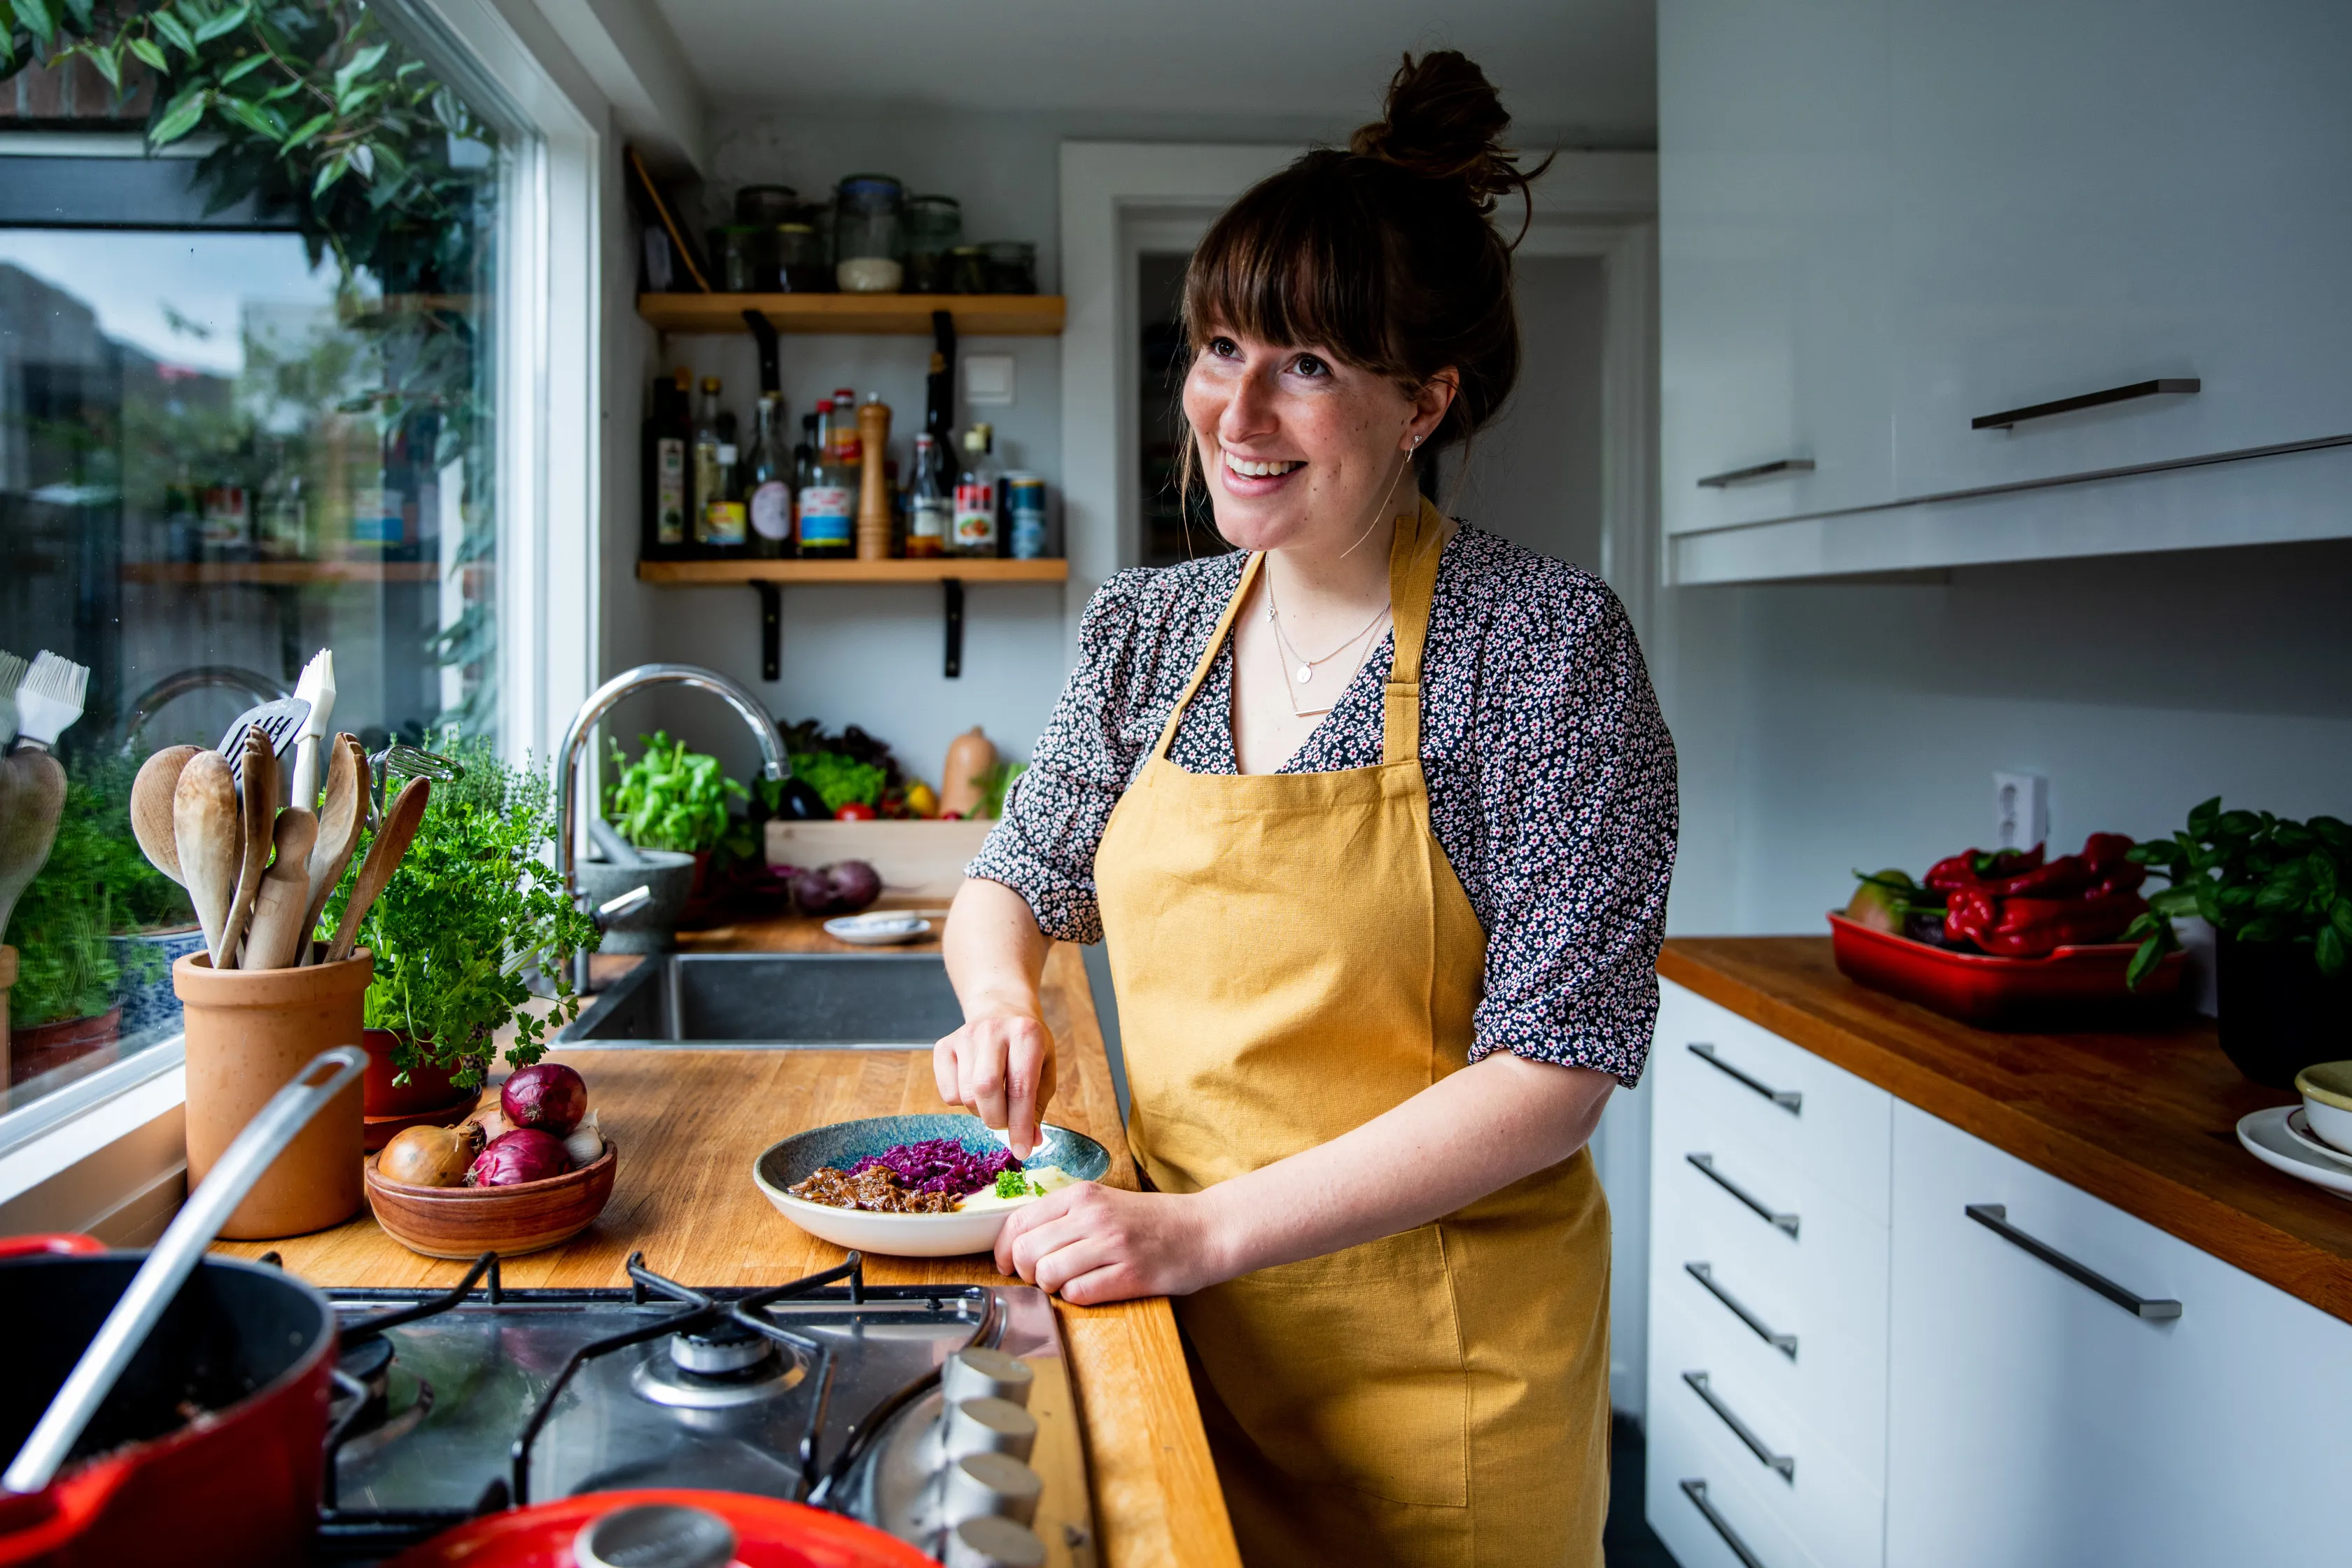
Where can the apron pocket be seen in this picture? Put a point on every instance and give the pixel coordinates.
(1346, 1370)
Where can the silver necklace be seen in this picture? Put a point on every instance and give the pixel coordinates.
(1305, 670)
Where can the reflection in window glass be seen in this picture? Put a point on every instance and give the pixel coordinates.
(256, 425)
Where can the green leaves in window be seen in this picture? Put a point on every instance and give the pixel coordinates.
(39, 20)
(151, 52)
(180, 117)
(174, 32)
(349, 73)
(257, 118)
(227, 21)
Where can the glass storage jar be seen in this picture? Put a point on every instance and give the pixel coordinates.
(734, 259)
(933, 226)
(1009, 267)
(765, 207)
(868, 246)
(803, 259)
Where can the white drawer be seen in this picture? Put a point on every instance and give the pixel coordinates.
(1834, 1510)
(1817, 1117)
(1681, 1473)
(1830, 1368)
(1806, 1255)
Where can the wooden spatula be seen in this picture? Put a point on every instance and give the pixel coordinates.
(340, 820)
(257, 808)
(275, 941)
(204, 828)
(384, 856)
(32, 798)
(151, 808)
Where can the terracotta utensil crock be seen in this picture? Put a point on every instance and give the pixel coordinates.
(249, 1032)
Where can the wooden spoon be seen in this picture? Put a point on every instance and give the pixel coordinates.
(256, 805)
(384, 856)
(206, 830)
(276, 940)
(339, 832)
(32, 799)
(151, 808)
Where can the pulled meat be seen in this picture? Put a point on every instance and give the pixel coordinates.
(875, 1188)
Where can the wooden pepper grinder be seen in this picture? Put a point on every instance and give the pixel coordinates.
(874, 490)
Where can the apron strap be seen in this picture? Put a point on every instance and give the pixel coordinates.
(1412, 582)
(1208, 655)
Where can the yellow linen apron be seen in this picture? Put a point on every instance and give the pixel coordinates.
(1293, 955)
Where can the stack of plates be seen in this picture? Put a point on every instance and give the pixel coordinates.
(2282, 1137)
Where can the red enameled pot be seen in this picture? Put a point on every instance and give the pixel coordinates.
(249, 1348)
(769, 1533)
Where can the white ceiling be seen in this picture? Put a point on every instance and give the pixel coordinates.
(1582, 70)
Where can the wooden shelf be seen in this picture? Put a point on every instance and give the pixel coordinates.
(284, 573)
(978, 569)
(976, 315)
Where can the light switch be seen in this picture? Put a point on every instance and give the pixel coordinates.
(988, 378)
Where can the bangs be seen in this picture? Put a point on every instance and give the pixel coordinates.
(1298, 262)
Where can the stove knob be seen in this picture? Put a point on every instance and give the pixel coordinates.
(655, 1535)
(988, 1426)
(990, 1542)
(980, 1373)
(992, 1483)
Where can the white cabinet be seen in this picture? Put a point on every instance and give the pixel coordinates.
(2092, 195)
(1772, 267)
(2034, 1420)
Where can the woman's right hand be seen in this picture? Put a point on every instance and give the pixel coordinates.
(1001, 1064)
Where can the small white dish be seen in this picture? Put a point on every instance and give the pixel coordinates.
(2298, 1127)
(2265, 1136)
(884, 929)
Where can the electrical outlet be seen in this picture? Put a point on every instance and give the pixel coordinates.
(988, 378)
(2020, 806)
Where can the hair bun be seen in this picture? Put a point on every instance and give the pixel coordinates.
(1444, 121)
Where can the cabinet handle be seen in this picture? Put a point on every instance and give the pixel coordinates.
(1705, 1274)
(1706, 1163)
(1789, 1100)
(1760, 471)
(2009, 417)
(1784, 1463)
(1696, 1490)
(1994, 1217)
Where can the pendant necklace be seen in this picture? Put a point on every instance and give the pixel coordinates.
(1305, 671)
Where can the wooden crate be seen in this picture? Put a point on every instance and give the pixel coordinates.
(924, 858)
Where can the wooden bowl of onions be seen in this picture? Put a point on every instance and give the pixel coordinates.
(485, 1185)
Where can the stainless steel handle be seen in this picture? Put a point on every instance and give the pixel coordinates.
(1695, 1489)
(2137, 389)
(1760, 471)
(1705, 1274)
(1706, 1163)
(1789, 1100)
(1784, 1463)
(174, 1258)
(1994, 1217)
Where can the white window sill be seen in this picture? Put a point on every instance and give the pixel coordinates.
(116, 1170)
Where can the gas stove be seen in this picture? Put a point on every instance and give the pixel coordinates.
(912, 1408)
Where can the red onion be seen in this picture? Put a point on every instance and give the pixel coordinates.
(524, 1155)
(841, 889)
(547, 1096)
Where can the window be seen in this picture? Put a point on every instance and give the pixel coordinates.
(248, 410)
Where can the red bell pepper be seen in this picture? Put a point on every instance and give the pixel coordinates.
(1975, 867)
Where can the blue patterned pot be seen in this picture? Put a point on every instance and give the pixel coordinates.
(148, 1005)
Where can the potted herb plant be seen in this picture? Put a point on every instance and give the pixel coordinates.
(473, 908)
(671, 805)
(2278, 895)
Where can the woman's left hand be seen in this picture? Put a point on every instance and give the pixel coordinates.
(1094, 1244)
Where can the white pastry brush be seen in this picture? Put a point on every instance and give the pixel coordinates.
(316, 688)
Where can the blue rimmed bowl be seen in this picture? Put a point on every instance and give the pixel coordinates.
(841, 1145)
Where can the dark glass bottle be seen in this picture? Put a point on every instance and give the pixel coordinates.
(768, 482)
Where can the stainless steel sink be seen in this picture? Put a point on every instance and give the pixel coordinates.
(776, 1000)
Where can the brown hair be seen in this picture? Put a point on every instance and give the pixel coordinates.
(1385, 255)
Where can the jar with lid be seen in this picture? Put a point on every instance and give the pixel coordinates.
(1009, 267)
(868, 247)
(803, 259)
(765, 207)
(933, 227)
(735, 260)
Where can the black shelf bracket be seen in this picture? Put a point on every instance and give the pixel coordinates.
(771, 629)
(764, 332)
(954, 586)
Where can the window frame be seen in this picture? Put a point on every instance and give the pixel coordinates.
(108, 1155)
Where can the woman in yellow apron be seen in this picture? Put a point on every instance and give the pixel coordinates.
(1377, 816)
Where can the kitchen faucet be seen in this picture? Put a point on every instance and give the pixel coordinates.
(776, 764)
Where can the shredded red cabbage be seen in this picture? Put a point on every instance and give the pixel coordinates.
(940, 1165)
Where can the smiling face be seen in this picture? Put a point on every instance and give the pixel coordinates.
(1299, 449)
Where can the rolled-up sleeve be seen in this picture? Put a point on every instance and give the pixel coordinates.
(1044, 848)
(1576, 792)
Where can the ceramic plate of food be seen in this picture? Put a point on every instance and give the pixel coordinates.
(935, 1185)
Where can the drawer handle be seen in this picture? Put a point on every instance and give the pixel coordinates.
(2009, 417)
(1706, 1163)
(1705, 1274)
(1760, 471)
(1696, 1490)
(1789, 1100)
(1994, 1217)
(1784, 1463)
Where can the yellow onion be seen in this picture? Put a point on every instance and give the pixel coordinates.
(489, 1120)
(430, 1156)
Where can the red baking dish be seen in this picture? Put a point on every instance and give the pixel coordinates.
(2079, 987)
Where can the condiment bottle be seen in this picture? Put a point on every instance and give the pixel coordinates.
(873, 488)
(826, 506)
(771, 482)
(975, 497)
(930, 511)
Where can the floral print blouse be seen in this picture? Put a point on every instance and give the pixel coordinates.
(1551, 778)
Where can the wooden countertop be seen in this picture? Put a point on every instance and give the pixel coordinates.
(2145, 1121)
(687, 1125)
